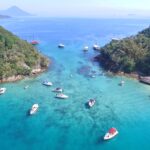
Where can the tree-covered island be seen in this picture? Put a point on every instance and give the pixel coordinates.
(128, 55)
(18, 58)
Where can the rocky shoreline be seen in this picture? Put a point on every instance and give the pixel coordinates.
(34, 72)
(133, 75)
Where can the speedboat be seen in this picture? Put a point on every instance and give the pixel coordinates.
(58, 89)
(34, 42)
(111, 134)
(91, 102)
(61, 45)
(85, 48)
(122, 83)
(2, 90)
(61, 96)
(47, 83)
(96, 47)
(34, 109)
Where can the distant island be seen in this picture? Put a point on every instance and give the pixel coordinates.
(14, 11)
(128, 55)
(18, 58)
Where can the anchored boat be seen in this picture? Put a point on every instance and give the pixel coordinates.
(111, 134)
(61, 45)
(91, 102)
(34, 109)
(2, 90)
(47, 83)
(61, 96)
(58, 89)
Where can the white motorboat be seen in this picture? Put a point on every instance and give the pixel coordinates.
(111, 134)
(91, 102)
(61, 96)
(2, 90)
(86, 48)
(47, 83)
(58, 89)
(34, 109)
(61, 45)
(96, 47)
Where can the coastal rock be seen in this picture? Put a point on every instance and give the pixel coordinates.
(11, 79)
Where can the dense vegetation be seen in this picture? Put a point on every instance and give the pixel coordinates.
(130, 54)
(17, 57)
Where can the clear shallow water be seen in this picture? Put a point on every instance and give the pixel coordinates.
(68, 125)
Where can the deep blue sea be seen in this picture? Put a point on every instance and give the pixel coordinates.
(68, 124)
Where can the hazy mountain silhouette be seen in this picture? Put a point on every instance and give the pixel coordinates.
(14, 11)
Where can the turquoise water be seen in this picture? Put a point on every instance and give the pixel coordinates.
(68, 124)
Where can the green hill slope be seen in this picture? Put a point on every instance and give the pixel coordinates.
(17, 57)
(128, 55)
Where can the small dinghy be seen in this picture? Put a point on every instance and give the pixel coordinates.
(34, 109)
(26, 87)
(2, 90)
(58, 89)
(61, 45)
(122, 83)
(86, 48)
(96, 47)
(91, 102)
(34, 42)
(111, 134)
(47, 83)
(61, 96)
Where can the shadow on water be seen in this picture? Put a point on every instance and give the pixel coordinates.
(86, 105)
(28, 113)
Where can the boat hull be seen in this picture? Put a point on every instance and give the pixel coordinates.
(2, 90)
(109, 136)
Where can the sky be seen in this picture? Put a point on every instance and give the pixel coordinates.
(83, 8)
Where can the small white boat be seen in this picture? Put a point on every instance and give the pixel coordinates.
(61, 96)
(91, 102)
(34, 109)
(111, 134)
(47, 83)
(59, 90)
(86, 48)
(122, 83)
(96, 47)
(26, 87)
(2, 90)
(61, 45)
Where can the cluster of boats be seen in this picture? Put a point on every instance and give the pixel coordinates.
(86, 48)
(95, 47)
(112, 132)
(58, 90)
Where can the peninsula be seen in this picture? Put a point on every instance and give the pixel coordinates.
(128, 55)
(18, 58)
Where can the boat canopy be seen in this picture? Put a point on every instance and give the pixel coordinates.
(112, 130)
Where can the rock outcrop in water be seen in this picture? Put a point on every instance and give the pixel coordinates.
(18, 58)
(128, 55)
